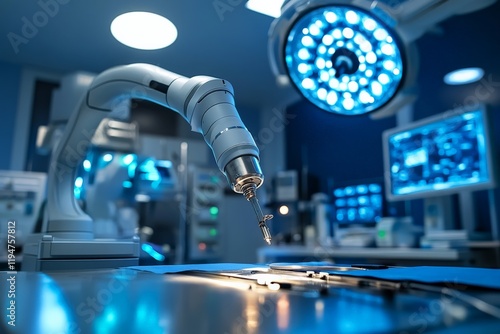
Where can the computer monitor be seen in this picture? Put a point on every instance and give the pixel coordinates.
(358, 203)
(437, 157)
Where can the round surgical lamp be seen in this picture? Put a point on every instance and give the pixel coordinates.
(345, 59)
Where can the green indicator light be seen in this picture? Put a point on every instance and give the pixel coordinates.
(213, 232)
(381, 234)
(214, 210)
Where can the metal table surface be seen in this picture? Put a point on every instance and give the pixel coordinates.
(130, 301)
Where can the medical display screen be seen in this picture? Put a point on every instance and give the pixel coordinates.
(358, 203)
(447, 154)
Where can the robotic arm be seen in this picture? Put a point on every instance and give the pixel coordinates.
(206, 103)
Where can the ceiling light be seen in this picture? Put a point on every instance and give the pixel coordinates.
(354, 57)
(143, 30)
(464, 76)
(343, 59)
(266, 7)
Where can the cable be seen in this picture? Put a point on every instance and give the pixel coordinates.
(479, 304)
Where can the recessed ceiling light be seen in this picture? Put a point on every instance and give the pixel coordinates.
(266, 7)
(143, 30)
(464, 76)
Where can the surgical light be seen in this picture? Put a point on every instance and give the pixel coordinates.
(143, 30)
(464, 76)
(362, 69)
(342, 42)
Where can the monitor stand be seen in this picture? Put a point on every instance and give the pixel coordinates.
(441, 224)
(439, 214)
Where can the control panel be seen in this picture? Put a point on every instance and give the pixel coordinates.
(206, 192)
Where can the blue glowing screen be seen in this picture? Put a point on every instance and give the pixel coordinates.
(360, 203)
(344, 60)
(447, 153)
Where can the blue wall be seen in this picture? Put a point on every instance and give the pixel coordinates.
(9, 90)
(337, 149)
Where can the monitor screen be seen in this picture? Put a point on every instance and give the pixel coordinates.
(358, 203)
(439, 155)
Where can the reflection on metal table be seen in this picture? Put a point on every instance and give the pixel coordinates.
(244, 298)
(475, 255)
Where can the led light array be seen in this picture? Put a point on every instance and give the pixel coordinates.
(344, 60)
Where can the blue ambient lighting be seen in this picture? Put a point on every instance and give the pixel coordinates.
(127, 184)
(358, 204)
(87, 165)
(128, 159)
(152, 252)
(131, 169)
(164, 163)
(148, 171)
(107, 157)
(55, 315)
(344, 60)
(78, 182)
(77, 189)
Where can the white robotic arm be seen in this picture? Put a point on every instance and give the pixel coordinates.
(206, 103)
